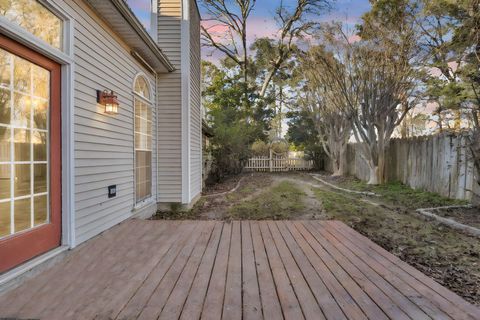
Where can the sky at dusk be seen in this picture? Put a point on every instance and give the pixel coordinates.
(261, 23)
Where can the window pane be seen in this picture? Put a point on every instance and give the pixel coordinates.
(5, 107)
(4, 181)
(39, 146)
(41, 82)
(5, 68)
(22, 145)
(143, 10)
(40, 207)
(22, 75)
(40, 112)
(22, 212)
(5, 139)
(21, 110)
(4, 219)
(35, 18)
(40, 178)
(22, 180)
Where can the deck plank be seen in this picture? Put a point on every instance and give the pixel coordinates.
(194, 303)
(428, 287)
(252, 306)
(159, 297)
(268, 293)
(306, 299)
(348, 305)
(135, 305)
(173, 306)
(324, 298)
(288, 300)
(232, 270)
(400, 300)
(412, 290)
(213, 305)
(232, 304)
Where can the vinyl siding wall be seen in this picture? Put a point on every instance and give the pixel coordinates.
(195, 104)
(170, 104)
(104, 144)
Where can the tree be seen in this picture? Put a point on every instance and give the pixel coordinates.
(303, 135)
(327, 90)
(385, 79)
(232, 134)
(232, 18)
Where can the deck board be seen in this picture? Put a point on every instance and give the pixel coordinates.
(239, 270)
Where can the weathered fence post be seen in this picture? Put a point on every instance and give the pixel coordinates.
(271, 160)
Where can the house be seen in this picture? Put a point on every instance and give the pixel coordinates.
(100, 119)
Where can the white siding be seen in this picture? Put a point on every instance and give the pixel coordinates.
(104, 150)
(195, 101)
(170, 104)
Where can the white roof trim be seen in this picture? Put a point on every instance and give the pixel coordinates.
(123, 22)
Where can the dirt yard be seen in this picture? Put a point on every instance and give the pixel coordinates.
(389, 219)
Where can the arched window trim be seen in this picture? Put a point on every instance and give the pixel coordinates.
(149, 88)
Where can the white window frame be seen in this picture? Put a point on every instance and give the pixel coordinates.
(147, 201)
(65, 58)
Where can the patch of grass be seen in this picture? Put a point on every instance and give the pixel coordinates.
(399, 194)
(442, 253)
(282, 201)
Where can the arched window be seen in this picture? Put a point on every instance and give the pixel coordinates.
(143, 138)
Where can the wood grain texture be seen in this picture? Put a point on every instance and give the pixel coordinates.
(232, 270)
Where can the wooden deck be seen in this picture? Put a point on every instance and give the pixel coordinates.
(240, 270)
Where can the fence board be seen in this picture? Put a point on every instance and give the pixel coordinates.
(439, 163)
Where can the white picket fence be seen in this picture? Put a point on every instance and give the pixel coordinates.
(278, 164)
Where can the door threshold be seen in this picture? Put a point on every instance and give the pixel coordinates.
(13, 278)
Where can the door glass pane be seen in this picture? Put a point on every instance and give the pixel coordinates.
(4, 219)
(40, 108)
(41, 82)
(39, 146)
(21, 110)
(22, 180)
(40, 209)
(5, 61)
(40, 178)
(22, 145)
(24, 114)
(22, 214)
(5, 106)
(35, 18)
(5, 182)
(5, 138)
(22, 75)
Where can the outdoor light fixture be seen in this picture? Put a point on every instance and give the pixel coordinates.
(109, 100)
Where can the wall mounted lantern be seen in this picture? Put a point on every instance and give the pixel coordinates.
(109, 100)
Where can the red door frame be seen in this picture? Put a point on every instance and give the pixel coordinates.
(23, 246)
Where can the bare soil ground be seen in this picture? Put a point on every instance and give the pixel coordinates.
(447, 255)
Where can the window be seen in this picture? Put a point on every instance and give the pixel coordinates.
(35, 18)
(145, 11)
(24, 138)
(143, 139)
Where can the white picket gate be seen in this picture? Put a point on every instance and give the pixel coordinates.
(276, 163)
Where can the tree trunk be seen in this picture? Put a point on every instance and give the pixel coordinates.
(374, 175)
(475, 149)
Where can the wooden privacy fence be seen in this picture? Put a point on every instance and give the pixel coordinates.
(439, 163)
(278, 164)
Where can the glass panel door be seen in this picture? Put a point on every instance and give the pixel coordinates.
(24, 144)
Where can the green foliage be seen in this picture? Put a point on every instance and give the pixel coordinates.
(234, 127)
(303, 135)
(283, 201)
(399, 194)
